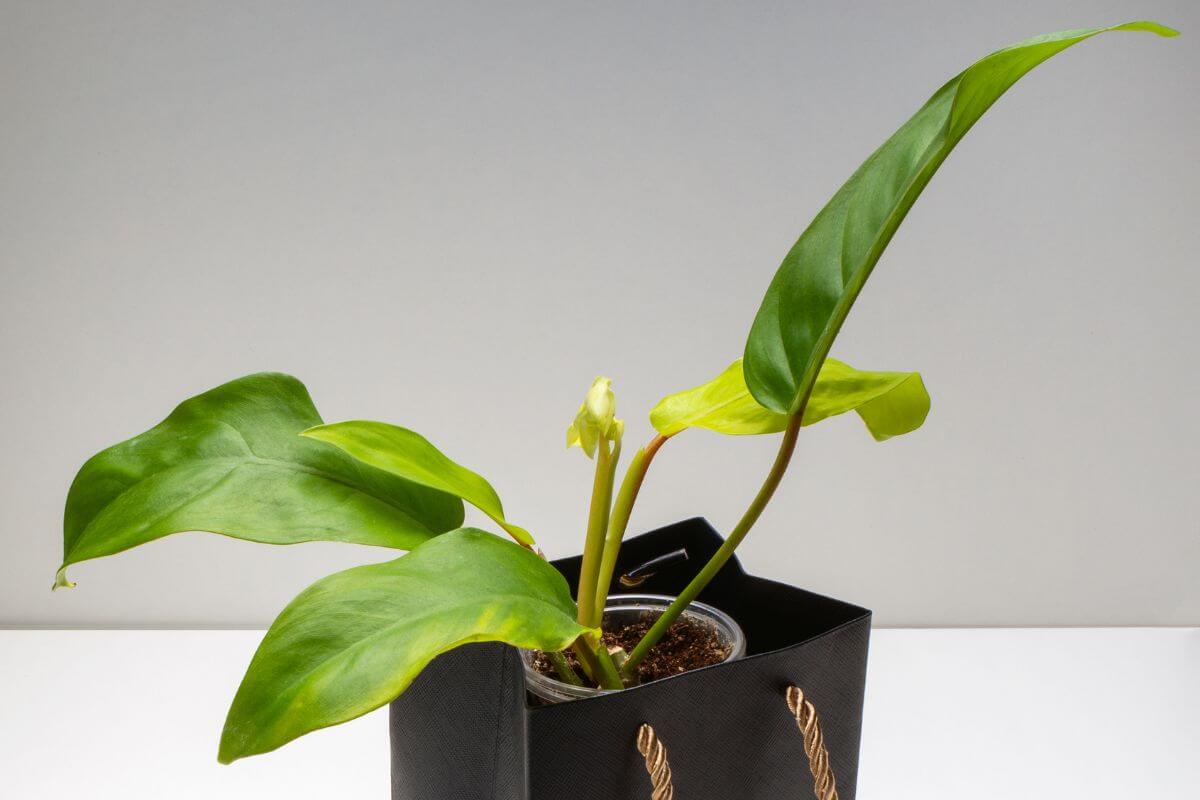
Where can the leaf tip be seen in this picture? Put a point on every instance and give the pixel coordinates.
(1150, 25)
(60, 580)
(522, 536)
(228, 751)
(313, 433)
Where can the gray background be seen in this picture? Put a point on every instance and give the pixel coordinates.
(453, 216)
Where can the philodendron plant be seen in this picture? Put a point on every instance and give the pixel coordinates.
(252, 459)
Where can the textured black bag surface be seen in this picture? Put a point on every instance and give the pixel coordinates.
(464, 730)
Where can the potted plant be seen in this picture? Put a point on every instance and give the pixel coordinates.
(513, 677)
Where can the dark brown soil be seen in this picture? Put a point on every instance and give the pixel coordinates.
(688, 645)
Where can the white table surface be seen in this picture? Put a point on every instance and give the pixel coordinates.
(962, 714)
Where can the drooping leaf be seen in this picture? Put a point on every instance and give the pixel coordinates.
(354, 641)
(231, 461)
(411, 456)
(820, 278)
(890, 403)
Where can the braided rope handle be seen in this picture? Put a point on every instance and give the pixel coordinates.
(655, 753)
(824, 784)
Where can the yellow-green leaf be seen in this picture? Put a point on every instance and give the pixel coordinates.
(355, 640)
(409, 455)
(230, 461)
(890, 403)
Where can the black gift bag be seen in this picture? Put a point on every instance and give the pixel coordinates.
(467, 730)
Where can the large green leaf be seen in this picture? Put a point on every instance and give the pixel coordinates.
(231, 461)
(890, 403)
(820, 278)
(354, 641)
(411, 456)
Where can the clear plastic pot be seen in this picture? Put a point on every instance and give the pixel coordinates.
(623, 609)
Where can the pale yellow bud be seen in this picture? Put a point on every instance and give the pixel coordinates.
(596, 419)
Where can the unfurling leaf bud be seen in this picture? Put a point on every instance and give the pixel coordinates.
(596, 419)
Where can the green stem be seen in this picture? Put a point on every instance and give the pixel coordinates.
(609, 676)
(719, 559)
(618, 521)
(593, 547)
(563, 668)
(587, 659)
(597, 663)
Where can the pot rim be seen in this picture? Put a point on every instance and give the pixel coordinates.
(553, 690)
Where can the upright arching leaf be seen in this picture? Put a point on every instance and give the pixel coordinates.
(890, 403)
(231, 461)
(354, 641)
(823, 274)
(411, 456)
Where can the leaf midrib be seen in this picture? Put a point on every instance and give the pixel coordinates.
(693, 419)
(858, 276)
